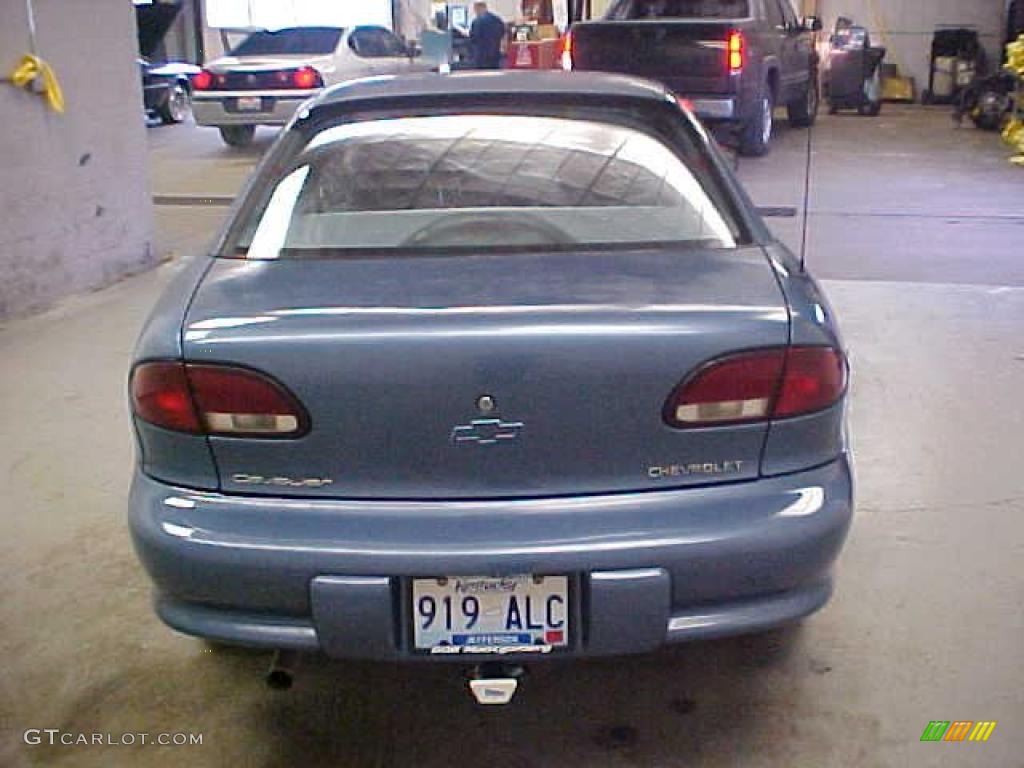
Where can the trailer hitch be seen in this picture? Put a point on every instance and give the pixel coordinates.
(495, 683)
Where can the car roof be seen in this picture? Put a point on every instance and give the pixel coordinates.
(524, 84)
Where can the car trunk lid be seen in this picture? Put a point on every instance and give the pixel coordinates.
(268, 63)
(486, 376)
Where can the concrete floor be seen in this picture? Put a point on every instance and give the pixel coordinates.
(918, 230)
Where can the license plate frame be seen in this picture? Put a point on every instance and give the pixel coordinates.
(249, 104)
(496, 641)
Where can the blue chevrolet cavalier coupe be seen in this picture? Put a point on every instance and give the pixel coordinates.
(490, 366)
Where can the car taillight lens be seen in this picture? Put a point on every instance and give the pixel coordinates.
(214, 400)
(757, 386)
(160, 395)
(306, 78)
(202, 81)
(815, 378)
(736, 51)
(567, 52)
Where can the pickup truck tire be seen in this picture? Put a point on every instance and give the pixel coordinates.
(804, 111)
(237, 135)
(756, 132)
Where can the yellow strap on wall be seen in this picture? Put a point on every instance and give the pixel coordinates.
(32, 68)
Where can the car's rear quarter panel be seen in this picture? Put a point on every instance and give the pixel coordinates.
(173, 457)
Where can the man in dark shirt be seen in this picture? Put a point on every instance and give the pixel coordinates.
(485, 36)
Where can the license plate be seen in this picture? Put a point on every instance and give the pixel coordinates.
(250, 103)
(514, 614)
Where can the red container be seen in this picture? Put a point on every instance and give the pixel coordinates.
(534, 54)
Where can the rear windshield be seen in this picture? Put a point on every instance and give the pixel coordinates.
(683, 9)
(302, 41)
(479, 182)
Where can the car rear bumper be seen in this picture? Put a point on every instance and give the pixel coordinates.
(646, 569)
(277, 107)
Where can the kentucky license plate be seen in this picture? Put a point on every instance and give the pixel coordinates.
(515, 614)
(249, 103)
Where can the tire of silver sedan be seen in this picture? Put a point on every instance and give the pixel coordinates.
(238, 135)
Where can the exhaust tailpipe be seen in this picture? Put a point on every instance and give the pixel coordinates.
(281, 674)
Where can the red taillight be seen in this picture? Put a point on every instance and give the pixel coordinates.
(757, 386)
(202, 80)
(160, 395)
(815, 379)
(736, 50)
(567, 52)
(731, 390)
(306, 78)
(214, 400)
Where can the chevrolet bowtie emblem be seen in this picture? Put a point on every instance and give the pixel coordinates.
(487, 432)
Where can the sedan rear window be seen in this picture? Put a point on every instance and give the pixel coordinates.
(681, 9)
(480, 182)
(282, 42)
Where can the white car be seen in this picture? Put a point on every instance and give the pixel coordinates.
(270, 73)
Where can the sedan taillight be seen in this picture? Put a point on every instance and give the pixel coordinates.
(757, 386)
(214, 400)
(814, 379)
(306, 78)
(202, 80)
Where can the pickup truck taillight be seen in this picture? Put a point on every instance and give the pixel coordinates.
(736, 49)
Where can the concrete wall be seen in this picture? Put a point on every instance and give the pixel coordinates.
(75, 203)
(909, 25)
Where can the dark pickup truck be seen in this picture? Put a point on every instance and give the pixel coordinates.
(733, 60)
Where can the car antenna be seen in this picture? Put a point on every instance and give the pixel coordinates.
(807, 200)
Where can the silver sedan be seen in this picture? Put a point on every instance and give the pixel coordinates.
(270, 73)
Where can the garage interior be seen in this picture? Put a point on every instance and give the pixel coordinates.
(915, 227)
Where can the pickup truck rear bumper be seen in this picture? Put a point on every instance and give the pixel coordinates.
(714, 108)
